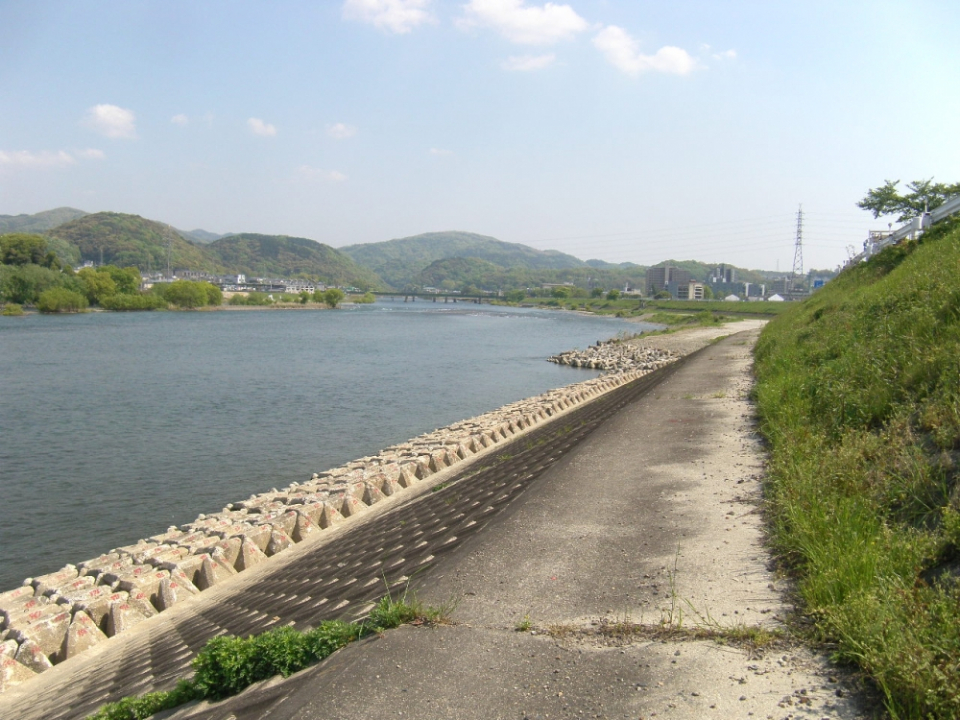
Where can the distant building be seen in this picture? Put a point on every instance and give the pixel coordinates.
(781, 286)
(723, 274)
(691, 291)
(299, 286)
(661, 278)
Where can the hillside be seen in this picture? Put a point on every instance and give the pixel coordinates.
(858, 395)
(399, 262)
(283, 256)
(38, 222)
(452, 273)
(200, 236)
(122, 240)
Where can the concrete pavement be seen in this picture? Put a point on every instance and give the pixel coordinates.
(621, 584)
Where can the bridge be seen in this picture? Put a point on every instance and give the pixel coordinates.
(409, 296)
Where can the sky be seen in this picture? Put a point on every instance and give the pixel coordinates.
(622, 130)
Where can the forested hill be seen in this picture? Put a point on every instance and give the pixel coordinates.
(38, 222)
(283, 256)
(399, 262)
(123, 240)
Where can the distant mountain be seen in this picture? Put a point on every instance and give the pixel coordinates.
(453, 273)
(399, 262)
(38, 222)
(283, 256)
(200, 236)
(119, 239)
(604, 265)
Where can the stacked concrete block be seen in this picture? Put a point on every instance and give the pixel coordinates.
(12, 672)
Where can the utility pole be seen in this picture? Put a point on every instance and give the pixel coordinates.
(798, 248)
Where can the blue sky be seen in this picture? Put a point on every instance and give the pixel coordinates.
(621, 130)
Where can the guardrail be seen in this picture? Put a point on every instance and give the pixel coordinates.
(909, 230)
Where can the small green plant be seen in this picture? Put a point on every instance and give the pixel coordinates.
(227, 664)
(524, 625)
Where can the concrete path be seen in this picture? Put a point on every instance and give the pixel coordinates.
(622, 585)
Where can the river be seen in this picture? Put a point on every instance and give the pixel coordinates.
(114, 426)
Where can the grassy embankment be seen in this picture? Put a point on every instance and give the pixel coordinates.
(858, 391)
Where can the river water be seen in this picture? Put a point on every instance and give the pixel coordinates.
(114, 426)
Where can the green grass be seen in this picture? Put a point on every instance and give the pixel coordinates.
(758, 309)
(858, 391)
(227, 664)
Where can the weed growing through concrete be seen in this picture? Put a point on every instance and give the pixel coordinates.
(226, 665)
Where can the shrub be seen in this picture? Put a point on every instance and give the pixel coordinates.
(333, 297)
(57, 300)
(190, 294)
(127, 303)
(12, 309)
(251, 298)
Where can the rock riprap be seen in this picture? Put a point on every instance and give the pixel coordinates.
(615, 356)
(53, 617)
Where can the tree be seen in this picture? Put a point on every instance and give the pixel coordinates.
(561, 293)
(23, 249)
(333, 296)
(185, 294)
(613, 295)
(127, 279)
(597, 292)
(97, 284)
(24, 283)
(214, 294)
(923, 195)
(515, 296)
(60, 300)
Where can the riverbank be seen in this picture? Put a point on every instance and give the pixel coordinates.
(628, 580)
(59, 615)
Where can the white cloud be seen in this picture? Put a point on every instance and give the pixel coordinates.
(311, 173)
(91, 154)
(396, 16)
(527, 63)
(725, 55)
(536, 25)
(440, 152)
(27, 159)
(623, 52)
(341, 131)
(259, 127)
(180, 120)
(111, 121)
